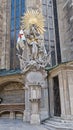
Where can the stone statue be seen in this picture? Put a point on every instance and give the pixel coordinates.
(30, 41)
(33, 57)
(21, 40)
(33, 42)
(23, 46)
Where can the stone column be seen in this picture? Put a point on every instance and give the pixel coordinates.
(5, 35)
(35, 110)
(70, 89)
(35, 117)
(64, 94)
(12, 115)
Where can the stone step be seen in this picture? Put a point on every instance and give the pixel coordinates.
(49, 128)
(59, 119)
(58, 125)
(56, 119)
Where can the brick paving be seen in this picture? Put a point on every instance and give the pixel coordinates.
(6, 124)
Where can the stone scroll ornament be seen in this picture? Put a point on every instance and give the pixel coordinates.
(30, 45)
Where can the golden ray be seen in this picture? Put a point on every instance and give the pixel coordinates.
(33, 17)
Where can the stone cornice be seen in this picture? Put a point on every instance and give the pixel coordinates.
(64, 66)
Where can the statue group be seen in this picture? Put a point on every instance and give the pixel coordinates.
(33, 59)
(31, 48)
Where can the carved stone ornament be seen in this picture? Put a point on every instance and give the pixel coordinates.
(30, 46)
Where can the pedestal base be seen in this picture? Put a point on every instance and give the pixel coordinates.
(35, 119)
(26, 116)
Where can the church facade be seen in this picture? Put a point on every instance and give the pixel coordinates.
(56, 94)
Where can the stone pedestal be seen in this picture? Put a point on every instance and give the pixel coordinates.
(35, 116)
(35, 119)
(34, 82)
(35, 96)
(26, 116)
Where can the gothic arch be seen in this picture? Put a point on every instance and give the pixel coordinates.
(8, 80)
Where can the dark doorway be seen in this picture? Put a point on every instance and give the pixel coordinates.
(57, 105)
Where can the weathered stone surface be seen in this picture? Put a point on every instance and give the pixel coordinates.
(65, 76)
(4, 34)
(35, 93)
(65, 11)
(18, 125)
(13, 96)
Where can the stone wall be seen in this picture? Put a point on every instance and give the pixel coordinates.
(1, 25)
(12, 93)
(65, 11)
(65, 77)
(5, 34)
(34, 4)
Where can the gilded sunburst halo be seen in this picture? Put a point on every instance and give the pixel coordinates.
(33, 17)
